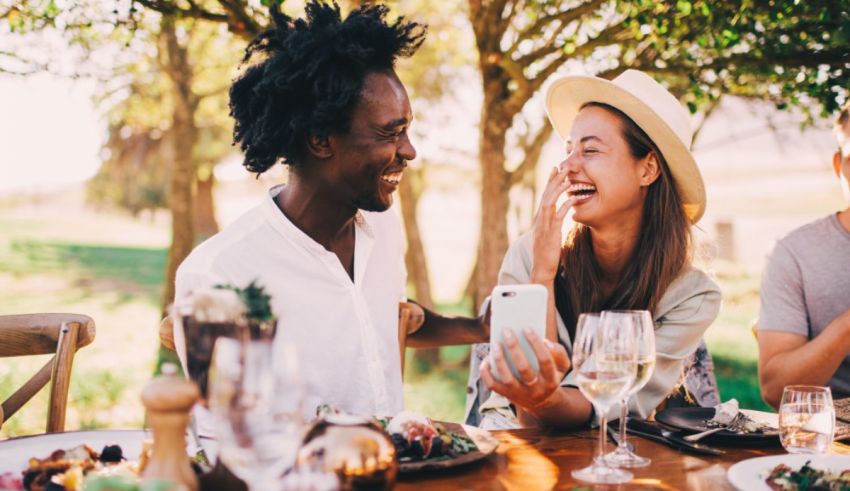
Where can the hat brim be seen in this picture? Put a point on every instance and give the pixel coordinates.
(567, 95)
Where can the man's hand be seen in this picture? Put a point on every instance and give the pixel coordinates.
(532, 390)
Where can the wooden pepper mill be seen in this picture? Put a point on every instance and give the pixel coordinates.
(169, 400)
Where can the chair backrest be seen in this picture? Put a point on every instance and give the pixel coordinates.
(40, 334)
(410, 319)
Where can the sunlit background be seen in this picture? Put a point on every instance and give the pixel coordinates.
(767, 171)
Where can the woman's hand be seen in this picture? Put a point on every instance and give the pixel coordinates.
(532, 390)
(547, 227)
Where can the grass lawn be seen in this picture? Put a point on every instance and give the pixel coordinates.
(64, 258)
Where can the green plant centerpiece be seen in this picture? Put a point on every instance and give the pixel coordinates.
(258, 314)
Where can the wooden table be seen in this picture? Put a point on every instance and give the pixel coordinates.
(536, 459)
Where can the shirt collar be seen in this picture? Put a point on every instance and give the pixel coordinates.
(280, 222)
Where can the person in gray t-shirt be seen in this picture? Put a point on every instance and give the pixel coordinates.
(804, 316)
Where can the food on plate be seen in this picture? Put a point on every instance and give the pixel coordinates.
(66, 469)
(417, 438)
(10, 480)
(726, 413)
(807, 478)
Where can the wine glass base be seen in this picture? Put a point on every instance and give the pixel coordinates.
(599, 474)
(623, 458)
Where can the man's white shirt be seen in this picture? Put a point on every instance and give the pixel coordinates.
(345, 332)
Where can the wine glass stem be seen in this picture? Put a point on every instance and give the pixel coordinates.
(603, 430)
(624, 415)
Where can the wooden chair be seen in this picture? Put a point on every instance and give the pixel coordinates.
(410, 319)
(40, 334)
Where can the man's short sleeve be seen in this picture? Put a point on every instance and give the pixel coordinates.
(782, 303)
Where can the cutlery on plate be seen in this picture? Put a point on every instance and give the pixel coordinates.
(736, 425)
(655, 432)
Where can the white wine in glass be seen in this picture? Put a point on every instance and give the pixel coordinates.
(645, 330)
(605, 363)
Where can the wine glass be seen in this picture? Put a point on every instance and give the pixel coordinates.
(645, 331)
(605, 362)
(806, 419)
(256, 406)
(206, 314)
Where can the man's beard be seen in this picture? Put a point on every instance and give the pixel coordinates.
(371, 203)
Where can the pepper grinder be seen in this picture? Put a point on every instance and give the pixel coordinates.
(169, 400)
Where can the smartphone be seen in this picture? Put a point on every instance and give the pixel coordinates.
(517, 307)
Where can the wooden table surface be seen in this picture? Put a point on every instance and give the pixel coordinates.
(535, 459)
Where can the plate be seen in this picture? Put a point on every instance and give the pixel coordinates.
(16, 452)
(692, 420)
(483, 439)
(749, 475)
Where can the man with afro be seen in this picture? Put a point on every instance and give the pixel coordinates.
(321, 95)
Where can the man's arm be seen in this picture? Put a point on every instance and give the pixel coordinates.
(787, 359)
(439, 330)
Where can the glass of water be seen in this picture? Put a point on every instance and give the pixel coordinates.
(255, 400)
(806, 419)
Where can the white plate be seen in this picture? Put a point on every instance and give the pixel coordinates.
(749, 475)
(16, 452)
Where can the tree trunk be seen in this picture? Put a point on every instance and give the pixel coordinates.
(206, 224)
(495, 185)
(184, 134)
(410, 189)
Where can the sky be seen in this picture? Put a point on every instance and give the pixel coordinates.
(50, 133)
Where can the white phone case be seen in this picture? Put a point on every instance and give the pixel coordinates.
(517, 307)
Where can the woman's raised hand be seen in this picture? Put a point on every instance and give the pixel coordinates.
(548, 225)
(533, 388)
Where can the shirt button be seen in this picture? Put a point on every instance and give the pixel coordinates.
(470, 390)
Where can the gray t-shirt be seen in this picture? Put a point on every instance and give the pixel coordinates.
(806, 285)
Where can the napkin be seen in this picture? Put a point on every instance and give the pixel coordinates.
(725, 412)
(822, 422)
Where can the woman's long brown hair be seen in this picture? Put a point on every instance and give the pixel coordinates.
(663, 246)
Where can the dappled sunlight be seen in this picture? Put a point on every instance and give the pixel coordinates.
(526, 467)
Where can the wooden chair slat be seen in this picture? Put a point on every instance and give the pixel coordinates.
(65, 350)
(37, 334)
(410, 319)
(28, 390)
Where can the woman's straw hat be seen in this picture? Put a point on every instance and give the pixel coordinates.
(652, 108)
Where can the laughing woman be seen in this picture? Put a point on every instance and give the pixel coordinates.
(635, 190)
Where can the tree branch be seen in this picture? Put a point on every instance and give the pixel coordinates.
(239, 21)
(506, 19)
(8, 12)
(167, 8)
(709, 109)
(531, 148)
(546, 48)
(565, 17)
(604, 38)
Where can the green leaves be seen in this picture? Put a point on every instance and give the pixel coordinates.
(257, 301)
(684, 6)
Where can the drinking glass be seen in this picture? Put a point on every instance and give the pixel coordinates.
(645, 331)
(202, 325)
(806, 419)
(256, 407)
(605, 362)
